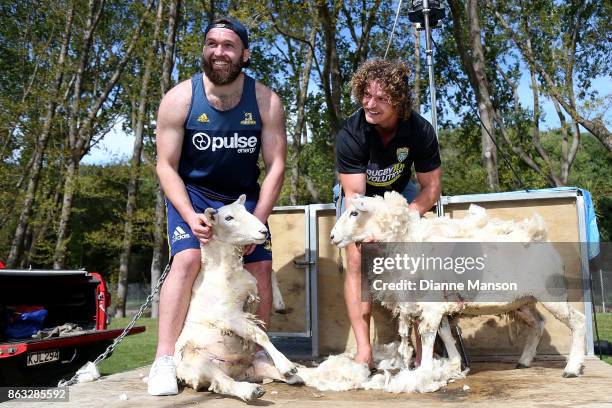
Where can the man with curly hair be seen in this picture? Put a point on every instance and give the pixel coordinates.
(375, 151)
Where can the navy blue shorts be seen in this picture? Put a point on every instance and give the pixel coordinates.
(180, 236)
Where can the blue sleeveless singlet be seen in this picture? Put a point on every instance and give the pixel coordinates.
(221, 148)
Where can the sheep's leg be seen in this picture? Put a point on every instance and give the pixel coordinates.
(576, 323)
(197, 370)
(428, 327)
(449, 342)
(406, 348)
(263, 368)
(222, 384)
(277, 297)
(535, 325)
(250, 331)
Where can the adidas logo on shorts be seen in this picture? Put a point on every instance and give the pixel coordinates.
(179, 234)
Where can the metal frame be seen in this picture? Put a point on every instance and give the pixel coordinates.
(580, 212)
(586, 274)
(307, 271)
(314, 255)
(511, 196)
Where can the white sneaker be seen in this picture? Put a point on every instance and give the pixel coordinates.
(162, 377)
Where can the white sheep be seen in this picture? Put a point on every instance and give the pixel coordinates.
(216, 348)
(389, 219)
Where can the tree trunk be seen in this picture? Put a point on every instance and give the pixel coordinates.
(332, 80)
(40, 147)
(39, 233)
(126, 246)
(158, 249)
(160, 213)
(596, 127)
(81, 128)
(70, 186)
(485, 108)
(312, 189)
(301, 120)
(473, 63)
(360, 39)
(72, 169)
(535, 138)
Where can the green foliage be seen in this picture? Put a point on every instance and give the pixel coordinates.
(459, 151)
(135, 351)
(30, 38)
(604, 326)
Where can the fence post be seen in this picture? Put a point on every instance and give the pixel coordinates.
(603, 298)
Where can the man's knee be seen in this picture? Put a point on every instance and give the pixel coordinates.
(186, 264)
(262, 271)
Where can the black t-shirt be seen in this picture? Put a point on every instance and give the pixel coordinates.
(359, 149)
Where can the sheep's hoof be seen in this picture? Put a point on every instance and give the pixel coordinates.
(289, 373)
(258, 392)
(294, 380)
(569, 375)
(521, 366)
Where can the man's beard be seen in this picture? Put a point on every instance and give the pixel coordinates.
(221, 77)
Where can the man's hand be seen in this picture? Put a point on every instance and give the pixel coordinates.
(201, 228)
(248, 249)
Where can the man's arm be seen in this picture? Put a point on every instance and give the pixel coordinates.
(352, 184)
(171, 116)
(273, 148)
(431, 185)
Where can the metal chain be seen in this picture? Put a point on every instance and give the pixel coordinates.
(119, 338)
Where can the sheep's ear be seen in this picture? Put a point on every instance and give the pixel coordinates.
(361, 203)
(242, 199)
(211, 215)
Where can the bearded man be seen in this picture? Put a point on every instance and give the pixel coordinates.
(210, 131)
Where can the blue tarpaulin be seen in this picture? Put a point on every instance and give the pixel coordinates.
(24, 325)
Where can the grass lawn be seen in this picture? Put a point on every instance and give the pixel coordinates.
(604, 326)
(134, 351)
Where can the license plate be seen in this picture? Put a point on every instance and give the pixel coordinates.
(42, 357)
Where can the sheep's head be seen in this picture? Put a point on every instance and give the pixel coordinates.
(233, 224)
(356, 223)
(385, 219)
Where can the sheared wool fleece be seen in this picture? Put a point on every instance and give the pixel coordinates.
(341, 373)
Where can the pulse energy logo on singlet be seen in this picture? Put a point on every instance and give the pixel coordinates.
(242, 144)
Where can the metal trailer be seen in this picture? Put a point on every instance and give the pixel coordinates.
(312, 266)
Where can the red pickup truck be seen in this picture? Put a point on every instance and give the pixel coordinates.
(76, 297)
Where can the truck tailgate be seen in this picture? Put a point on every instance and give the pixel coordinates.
(46, 361)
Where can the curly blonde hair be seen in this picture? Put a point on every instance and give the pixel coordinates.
(393, 79)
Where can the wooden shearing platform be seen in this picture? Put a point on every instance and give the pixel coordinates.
(490, 384)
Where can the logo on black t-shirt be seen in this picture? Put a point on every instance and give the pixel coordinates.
(384, 177)
(402, 153)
